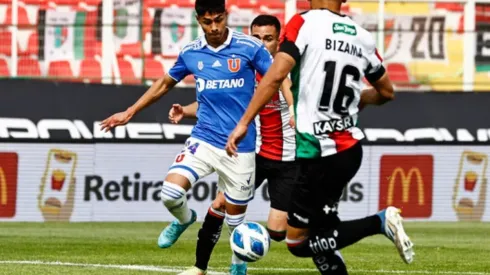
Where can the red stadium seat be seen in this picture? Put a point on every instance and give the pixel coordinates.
(60, 70)
(5, 43)
(4, 68)
(153, 69)
(456, 7)
(28, 67)
(273, 4)
(302, 4)
(35, 2)
(91, 2)
(398, 73)
(90, 70)
(161, 3)
(134, 50)
(23, 18)
(186, 3)
(72, 3)
(126, 72)
(32, 45)
(244, 4)
(400, 76)
(155, 3)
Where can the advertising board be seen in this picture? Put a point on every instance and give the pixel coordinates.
(122, 182)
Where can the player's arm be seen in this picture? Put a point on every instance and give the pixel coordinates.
(269, 85)
(162, 86)
(286, 91)
(190, 111)
(382, 90)
(288, 96)
(292, 47)
(178, 112)
(282, 65)
(155, 92)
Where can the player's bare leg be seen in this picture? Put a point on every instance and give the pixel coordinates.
(277, 224)
(174, 198)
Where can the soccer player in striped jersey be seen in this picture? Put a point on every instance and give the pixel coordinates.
(224, 63)
(275, 153)
(327, 55)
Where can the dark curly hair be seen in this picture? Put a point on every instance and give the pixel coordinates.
(211, 6)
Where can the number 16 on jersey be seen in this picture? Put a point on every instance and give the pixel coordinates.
(343, 94)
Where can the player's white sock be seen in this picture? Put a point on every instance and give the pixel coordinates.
(174, 198)
(233, 221)
(235, 260)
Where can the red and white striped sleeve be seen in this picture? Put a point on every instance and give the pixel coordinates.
(293, 40)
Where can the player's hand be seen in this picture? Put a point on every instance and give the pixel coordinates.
(235, 137)
(176, 113)
(117, 119)
(292, 123)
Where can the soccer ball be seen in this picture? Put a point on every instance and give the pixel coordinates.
(250, 241)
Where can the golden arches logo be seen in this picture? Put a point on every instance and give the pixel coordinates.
(3, 188)
(406, 180)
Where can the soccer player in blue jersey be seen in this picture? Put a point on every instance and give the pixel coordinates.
(224, 63)
(273, 162)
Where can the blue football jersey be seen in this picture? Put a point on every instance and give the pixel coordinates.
(225, 83)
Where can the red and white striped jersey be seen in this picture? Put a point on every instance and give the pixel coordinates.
(333, 54)
(275, 137)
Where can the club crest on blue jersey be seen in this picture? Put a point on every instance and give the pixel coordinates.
(234, 64)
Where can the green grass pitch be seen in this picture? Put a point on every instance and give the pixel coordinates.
(130, 248)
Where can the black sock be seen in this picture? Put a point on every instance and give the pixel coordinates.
(208, 237)
(345, 234)
(356, 230)
(330, 264)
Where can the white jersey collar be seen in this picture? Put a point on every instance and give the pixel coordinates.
(204, 42)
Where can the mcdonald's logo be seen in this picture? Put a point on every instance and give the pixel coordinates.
(406, 182)
(8, 184)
